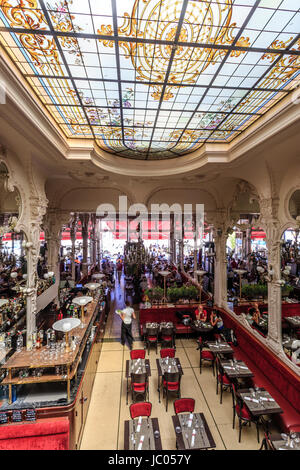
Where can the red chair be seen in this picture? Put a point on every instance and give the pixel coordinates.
(151, 338)
(167, 337)
(139, 386)
(140, 409)
(168, 352)
(184, 405)
(222, 379)
(137, 354)
(171, 384)
(207, 356)
(241, 411)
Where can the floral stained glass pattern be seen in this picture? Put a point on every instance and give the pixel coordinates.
(154, 79)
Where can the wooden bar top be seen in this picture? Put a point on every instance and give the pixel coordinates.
(39, 358)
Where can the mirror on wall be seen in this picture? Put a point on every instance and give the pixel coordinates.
(13, 270)
(247, 263)
(290, 292)
(294, 205)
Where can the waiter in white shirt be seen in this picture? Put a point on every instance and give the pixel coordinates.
(127, 314)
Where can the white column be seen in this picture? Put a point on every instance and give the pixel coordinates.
(269, 221)
(274, 288)
(73, 230)
(85, 234)
(220, 271)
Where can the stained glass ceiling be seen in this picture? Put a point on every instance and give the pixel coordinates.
(154, 79)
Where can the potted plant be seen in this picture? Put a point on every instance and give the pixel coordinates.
(158, 294)
(173, 294)
(286, 290)
(191, 293)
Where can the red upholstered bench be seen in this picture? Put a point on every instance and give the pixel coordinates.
(46, 434)
(182, 329)
(270, 373)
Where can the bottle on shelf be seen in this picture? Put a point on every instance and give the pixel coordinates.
(2, 341)
(48, 337)
(52, 340)
(19, 341)
(29, 343)
(8, 341)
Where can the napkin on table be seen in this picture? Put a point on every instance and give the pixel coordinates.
(193, 438)
(139, 424)
(190, 420)
(251, 399)
(141, 443)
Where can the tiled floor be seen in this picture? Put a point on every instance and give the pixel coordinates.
(104, 429)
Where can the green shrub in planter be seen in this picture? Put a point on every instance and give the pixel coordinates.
(155, 294)
(286, 290)
(191, 292)
(173, 294)
(254, 291)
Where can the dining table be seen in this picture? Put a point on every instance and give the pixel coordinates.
(164, 365)
(201, 327)
(259, 402)
(294, 322)
(136, 366)
(285, 441)
(236, 369)
(219, 347)
(192, 432)
(142, 433)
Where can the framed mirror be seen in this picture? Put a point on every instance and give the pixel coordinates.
(247, 262)
(294, 205)
(290, 293)
(13, 270)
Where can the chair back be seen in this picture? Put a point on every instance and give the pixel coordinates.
(138, 378)
(219, 368)
(237, 401)
(171, 377)
(167, 331)
(152, 331)
(140, 409)
(167, 352)
(184, 405)
(137, 354)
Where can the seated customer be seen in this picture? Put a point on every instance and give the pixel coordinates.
(255, 312)
(201, 314)
(216, 321)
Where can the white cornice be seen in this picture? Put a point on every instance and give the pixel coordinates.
(39, 122)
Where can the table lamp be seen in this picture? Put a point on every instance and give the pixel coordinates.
(201, 274)
(240, 272)
(92, 286)
(82, 302)
(65, 326)
(164, 274)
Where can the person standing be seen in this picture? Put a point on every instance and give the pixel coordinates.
(127, 314)
(119, 268)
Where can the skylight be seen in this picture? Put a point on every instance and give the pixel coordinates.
(154, 79)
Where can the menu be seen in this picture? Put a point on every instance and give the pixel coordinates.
(30, 415)
(16, 416)
(3, 418)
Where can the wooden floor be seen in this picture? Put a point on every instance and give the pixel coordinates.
(104, 428)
